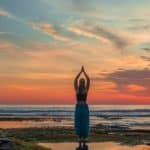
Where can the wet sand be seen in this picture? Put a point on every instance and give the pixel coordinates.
(94, 146)
(31, 123)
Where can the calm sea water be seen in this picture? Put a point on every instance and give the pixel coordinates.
(137, 116)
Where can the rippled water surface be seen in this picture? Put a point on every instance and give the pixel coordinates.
(137, 117)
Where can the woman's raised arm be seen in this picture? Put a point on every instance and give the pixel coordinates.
(76, 80)
(88, 80)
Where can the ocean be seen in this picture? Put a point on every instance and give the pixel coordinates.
(134, 117)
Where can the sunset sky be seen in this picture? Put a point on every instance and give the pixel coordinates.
(44, 43)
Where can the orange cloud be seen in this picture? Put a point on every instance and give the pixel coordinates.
(135, 88)
(5, 45)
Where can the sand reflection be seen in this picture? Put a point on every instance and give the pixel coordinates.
(32, 124)
(94, 146)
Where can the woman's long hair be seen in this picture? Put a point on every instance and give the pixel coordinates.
(81, 84)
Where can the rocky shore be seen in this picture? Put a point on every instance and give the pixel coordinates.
(97, 134)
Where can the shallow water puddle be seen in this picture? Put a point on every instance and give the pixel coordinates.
(94, 146)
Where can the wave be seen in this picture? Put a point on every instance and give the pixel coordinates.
(69, 111)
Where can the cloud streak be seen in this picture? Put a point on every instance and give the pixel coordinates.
(146, 49)
(4, 13)
(135, 88)
(50, 30)
(100, 33)
(145, 58)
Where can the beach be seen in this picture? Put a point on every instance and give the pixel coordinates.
(119, 128)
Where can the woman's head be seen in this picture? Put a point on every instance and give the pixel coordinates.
(82, 82)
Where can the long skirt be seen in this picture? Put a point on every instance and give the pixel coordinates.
(82, 120)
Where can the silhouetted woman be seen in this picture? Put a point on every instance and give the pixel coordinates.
(82, 111)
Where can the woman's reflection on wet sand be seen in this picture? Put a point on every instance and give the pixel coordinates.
(82, 147)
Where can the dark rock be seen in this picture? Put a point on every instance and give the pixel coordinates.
(7, 144)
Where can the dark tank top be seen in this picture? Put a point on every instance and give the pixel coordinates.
(81, 96)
